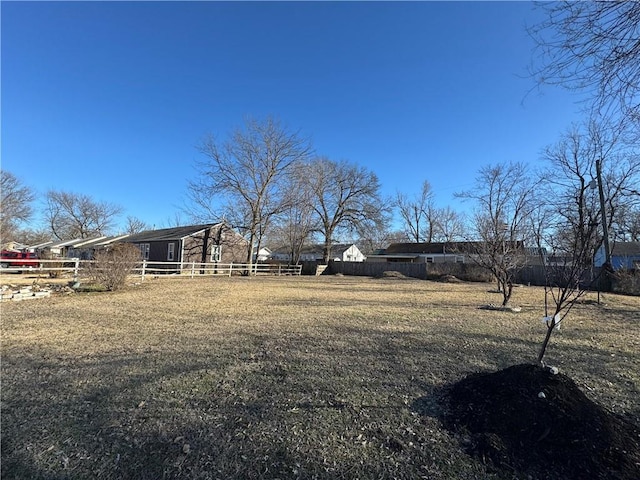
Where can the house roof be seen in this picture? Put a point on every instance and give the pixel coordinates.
(394, 255)
(450, 247)
(626, 249)
(175, 233)
(336, 249)
(42, 245)
(64, 243)
(437, 247)
(99, 241)
(88, 241)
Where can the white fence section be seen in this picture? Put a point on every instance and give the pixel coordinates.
(53, 268)
(193, 269)
(77, 268)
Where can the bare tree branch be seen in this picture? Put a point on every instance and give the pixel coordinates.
(592, 47)
(504, 197)
(15, 204)
(247, 176)
(345, 197)
(73, 215)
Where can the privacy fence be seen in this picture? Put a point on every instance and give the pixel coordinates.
(626, 282)
(424, 271)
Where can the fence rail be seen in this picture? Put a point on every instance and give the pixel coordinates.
(51, 267)
(78, 268)
(192, 269)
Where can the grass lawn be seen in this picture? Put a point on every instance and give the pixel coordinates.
(291, 377)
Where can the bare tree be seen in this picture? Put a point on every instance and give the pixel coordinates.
(417, 213)
(572, 223)
(377, 238)
(504, 198)
(135, 225)
(571, 183)
(74, 215)
(627, 225)
(448, 225)
(29, 236)
(248, 174)
(344, 197)
(296, 223)
(592, 47)
(15, 204)
(567, 264)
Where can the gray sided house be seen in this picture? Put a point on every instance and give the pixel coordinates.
(207, 243)
(437, 252)
(452, 252)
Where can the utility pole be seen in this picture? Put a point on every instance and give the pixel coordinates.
(605, 227)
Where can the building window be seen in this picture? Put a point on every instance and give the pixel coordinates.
(144, 250)
(429, 259)
(216, 253)
(171, 252)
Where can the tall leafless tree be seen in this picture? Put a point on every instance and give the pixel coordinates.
(571, 183)
(570, 222)
(448, 225)
(417, 213)
(592, 47)
(73, 215)
(504, 200)
(627, 225)
(345, 198)
(135, 225)
(376, 238)
(247, 173)
(294, 226)
(567, 266)
(15, 205)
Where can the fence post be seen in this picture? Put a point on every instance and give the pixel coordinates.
(193, 268)
(230, 268)
(144, 270)
(75, 269)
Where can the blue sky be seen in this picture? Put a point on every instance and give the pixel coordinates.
(110, 99)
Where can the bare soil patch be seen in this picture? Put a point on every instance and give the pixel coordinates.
(527, 419)
(310, 377)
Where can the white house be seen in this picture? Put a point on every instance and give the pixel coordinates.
(263, 255)
(313, 253)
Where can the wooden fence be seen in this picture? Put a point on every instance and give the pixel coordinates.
(624, 282)
(424, 271)
(77, 269)
(192, 269)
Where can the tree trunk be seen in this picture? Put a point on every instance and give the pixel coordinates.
(543, 349)
(326, 251)
(507, 290)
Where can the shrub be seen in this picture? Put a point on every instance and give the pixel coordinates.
(110, 267)
(626, 281)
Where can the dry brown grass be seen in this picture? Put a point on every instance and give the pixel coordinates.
(291, 377)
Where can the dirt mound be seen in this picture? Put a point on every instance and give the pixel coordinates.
(393, 274)
(528, 420)
(449, 279)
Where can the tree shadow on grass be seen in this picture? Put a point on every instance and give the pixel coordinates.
(271, 408)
